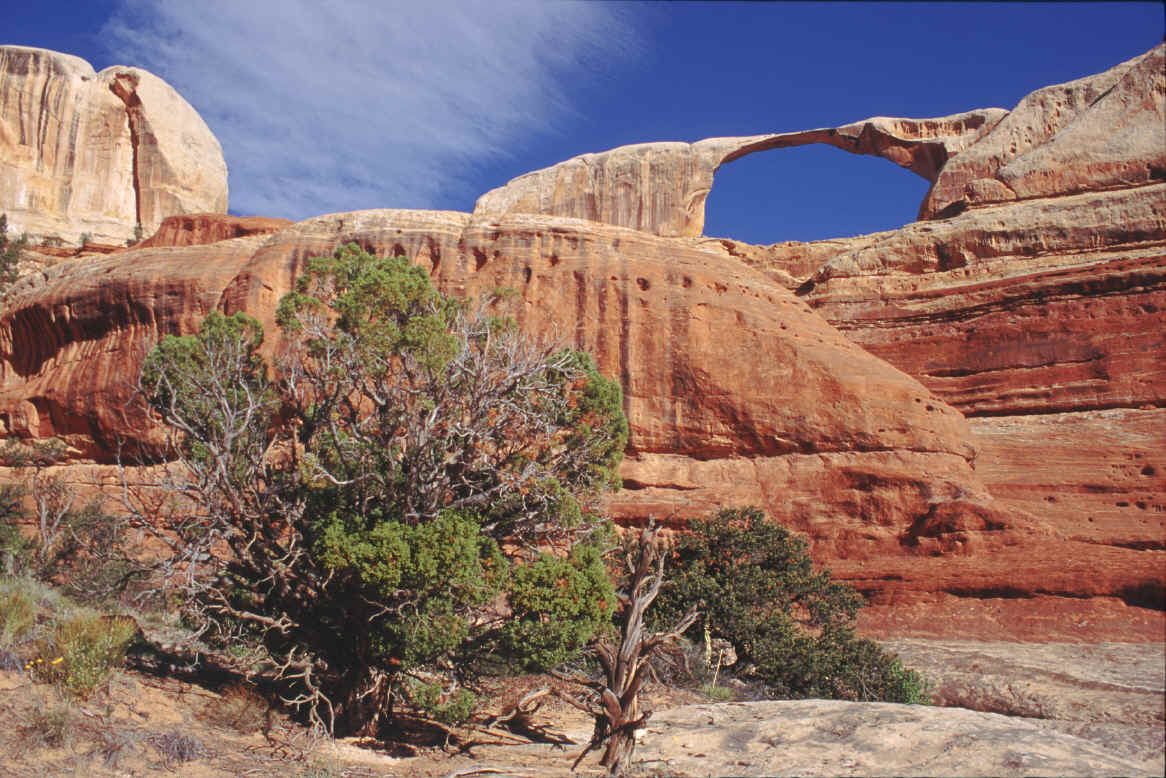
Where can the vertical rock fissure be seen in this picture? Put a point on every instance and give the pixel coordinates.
(124, 85)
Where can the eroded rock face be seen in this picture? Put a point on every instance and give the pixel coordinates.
(197, 229)
(662, 187)
(85, 153)
(1099, 132)
(73, 336)
(735, 390)
(824, 382)
(1048, 305)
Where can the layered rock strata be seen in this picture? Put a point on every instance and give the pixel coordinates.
(197, 229)
(97, 154)
(764, 374)
(735, 390)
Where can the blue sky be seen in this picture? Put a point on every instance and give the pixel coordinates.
(331, 105)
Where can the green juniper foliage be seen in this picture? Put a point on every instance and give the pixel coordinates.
(405, 496)
(756, 587)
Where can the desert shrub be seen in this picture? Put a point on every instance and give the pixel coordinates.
(10, 251)
(177, 747)
(410, 490)
(49, 725)
(111, 743)
(793, 625)
(240, 707)
(26, 607)
(18, 612)
(448, 708)
(73, 543)
(83, 650)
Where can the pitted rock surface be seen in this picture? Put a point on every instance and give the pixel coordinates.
(832, 738)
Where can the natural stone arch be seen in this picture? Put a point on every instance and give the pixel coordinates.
(661, 188)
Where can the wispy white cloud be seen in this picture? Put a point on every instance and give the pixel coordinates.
(331, 105)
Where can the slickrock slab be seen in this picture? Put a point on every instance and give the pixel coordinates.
(830, 738)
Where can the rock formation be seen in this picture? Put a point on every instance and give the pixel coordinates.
(827, 382)
(197, 229)
(829, 738)
(85, 153)
(1096, 133)
(662, 187)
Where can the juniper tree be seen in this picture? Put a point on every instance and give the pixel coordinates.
(403, 499)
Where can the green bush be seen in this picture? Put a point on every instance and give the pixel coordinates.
(83, 650)
(793, 625)
(410, 491)
(442, 706)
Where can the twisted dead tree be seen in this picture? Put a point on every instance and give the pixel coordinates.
(614, 701)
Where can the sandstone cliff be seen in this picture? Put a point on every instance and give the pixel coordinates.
(99, 153)
(827, 382)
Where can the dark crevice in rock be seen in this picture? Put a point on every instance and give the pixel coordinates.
(125, 86)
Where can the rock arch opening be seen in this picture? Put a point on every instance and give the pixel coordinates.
(807, 193)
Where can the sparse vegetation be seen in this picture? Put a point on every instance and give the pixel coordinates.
(10, 251)
(793, 625)
(75, 543)
(176, 747)
(240, 707)
(50, 725)
(76, 649)
(406, 495)
(81, 649)
(137, 236)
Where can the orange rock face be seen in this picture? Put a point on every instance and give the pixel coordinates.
(72, 338)
(735, 390)
(966, 415)
(196, 229)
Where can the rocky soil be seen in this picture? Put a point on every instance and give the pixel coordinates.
(1045, 709)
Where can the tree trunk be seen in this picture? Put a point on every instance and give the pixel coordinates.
(365, 706)
(617, 757)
